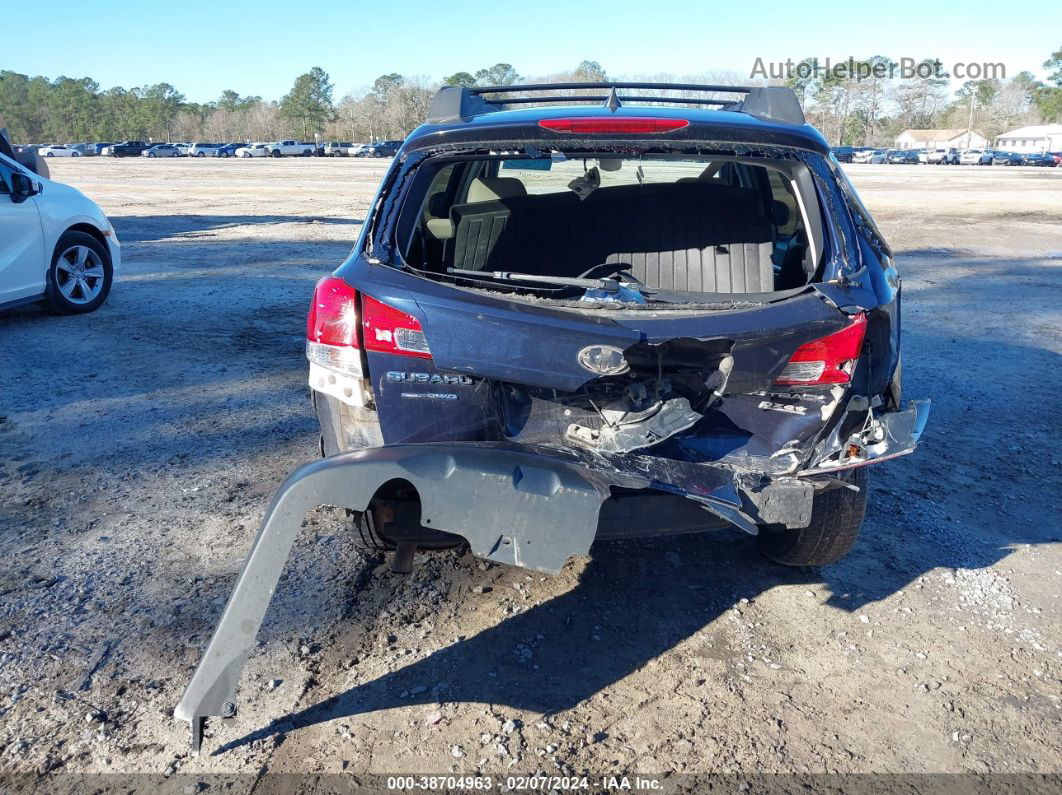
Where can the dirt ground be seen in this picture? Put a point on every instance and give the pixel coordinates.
(140, 445)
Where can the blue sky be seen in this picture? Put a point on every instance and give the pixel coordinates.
(260, 46)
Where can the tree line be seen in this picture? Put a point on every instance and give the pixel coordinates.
(848, 110)
(871, 110)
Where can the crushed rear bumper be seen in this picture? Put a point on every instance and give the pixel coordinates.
(527, 507)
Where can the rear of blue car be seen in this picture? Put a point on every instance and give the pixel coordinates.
(594, 320)
(690, 305)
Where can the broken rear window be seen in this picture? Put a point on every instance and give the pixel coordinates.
(706, 225)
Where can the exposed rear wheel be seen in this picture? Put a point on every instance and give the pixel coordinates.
(836, 517)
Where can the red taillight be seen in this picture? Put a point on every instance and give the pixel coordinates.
(332, 327)
(604, 124)
(827, 360)
(390, 330)
(333, 318)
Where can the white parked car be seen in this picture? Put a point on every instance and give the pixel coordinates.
(290, 149)
(58, 150)
(203, 149)
(56, 245)
(940, 157)
(870, 156)
(253, 150)
(976, 157)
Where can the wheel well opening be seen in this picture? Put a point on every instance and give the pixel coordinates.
(394, 515)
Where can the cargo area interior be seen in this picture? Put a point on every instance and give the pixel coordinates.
(714, 225)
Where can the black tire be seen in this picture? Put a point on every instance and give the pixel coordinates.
(377, 153)
(276, 153)
(59, 303)
(836, 517)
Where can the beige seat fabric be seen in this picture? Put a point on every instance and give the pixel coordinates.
(489, 189)
(481, 189)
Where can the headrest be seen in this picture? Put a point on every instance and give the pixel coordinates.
(487, 189)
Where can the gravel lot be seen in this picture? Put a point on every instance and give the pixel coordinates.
(140, 445)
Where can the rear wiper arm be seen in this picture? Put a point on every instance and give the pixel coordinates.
(610, 285)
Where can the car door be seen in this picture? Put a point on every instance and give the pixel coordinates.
(22, 260)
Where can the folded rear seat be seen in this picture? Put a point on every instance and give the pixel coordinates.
(692, 236)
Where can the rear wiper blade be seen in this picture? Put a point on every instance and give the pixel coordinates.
(611, 285)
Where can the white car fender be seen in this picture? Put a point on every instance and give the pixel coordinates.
(61, 207)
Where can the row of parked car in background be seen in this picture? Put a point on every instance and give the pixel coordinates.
(946, 156)
(290, 148)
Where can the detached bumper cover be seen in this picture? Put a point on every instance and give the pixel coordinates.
(524, 507)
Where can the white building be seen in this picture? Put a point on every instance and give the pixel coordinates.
(1036, 138)
(940, 139)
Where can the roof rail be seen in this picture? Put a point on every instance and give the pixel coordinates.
(459, 103)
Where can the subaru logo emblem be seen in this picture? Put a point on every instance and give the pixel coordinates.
(603, 360)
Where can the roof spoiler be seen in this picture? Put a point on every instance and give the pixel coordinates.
(460, 103)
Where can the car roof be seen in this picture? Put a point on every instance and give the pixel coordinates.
(767, 115)
(739, 127)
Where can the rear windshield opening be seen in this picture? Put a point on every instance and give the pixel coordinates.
(722, 225)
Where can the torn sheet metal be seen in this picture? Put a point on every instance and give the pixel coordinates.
(516, 506)
(885, 436)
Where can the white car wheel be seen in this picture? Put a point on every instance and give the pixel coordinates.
(81, 275)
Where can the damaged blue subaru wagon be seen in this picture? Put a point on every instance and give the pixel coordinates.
(690, 307)
(590, 311)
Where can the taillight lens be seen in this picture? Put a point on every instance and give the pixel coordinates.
(332, 327)
(604, 124)
(333, 318)
(827, 360)
(390, 330)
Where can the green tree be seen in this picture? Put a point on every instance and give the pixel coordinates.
(385, 85)
(459, 79)
(157, 108)
(309, 103)
(501, 74)
(589, 72)
(1054, 66)
(72, 109)
(1048, 99)
(802, 77)
(14, 104)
